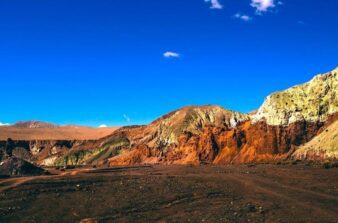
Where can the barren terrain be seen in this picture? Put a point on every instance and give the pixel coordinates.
(262, 193)
(58, 133)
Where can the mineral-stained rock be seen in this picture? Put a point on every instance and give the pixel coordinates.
(285, 121)
(312, 102)
(248, 142)
(212, 135)
(163, 137)
(193, 119)
(261, 142)
(323, 147)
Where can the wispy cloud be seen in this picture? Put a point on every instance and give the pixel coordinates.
(170, 54)
(243, 17)
(263, 5)
(103, 126)
(215, 4)
(126, 117)
(4, 124)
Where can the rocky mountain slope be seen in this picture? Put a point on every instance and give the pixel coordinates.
(322, 147)
(159, 136)
(210, 134)
(285, 121)
(311, 102)
(167, 129)
(246, 143)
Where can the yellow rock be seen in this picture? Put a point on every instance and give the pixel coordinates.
(313, 101)
(322, 147)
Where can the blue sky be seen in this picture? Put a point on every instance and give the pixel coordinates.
(128, 62)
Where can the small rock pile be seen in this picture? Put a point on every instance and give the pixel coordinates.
(14, 166)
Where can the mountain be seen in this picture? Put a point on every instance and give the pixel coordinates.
(291, 124)
(192, 119)
(34, 124)
(285, 121)
(157, 138)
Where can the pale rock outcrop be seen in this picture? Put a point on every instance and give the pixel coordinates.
(322, 147)
(314, 101)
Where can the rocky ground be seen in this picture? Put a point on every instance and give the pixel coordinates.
(13, 166)
(262, 193)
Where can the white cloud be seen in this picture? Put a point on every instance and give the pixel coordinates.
(170, 54)
(243, 17)
(4, 124)
(215, 4)
(126, 118)
(263, 5)
(103, 126)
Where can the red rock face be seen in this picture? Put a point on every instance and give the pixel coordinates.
(261, 142)
(247, 143)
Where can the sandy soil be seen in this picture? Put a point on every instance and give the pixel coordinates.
(263, 193)
(59, 133)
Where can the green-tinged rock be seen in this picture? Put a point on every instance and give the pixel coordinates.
(313, 101)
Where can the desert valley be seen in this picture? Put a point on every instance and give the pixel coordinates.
(299, 123)
(198, 164)
(170, 111)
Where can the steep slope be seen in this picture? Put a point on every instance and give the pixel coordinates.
(312, 102)
(211, 134)
(158, 137)
(245, 143)
(260, 142)
(322, 147)
(286, 120)
(167, 129)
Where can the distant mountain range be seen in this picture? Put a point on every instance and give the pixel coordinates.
(298, 123)
(34, 124)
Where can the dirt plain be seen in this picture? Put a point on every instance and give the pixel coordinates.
(57, 133)
(255, 193)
